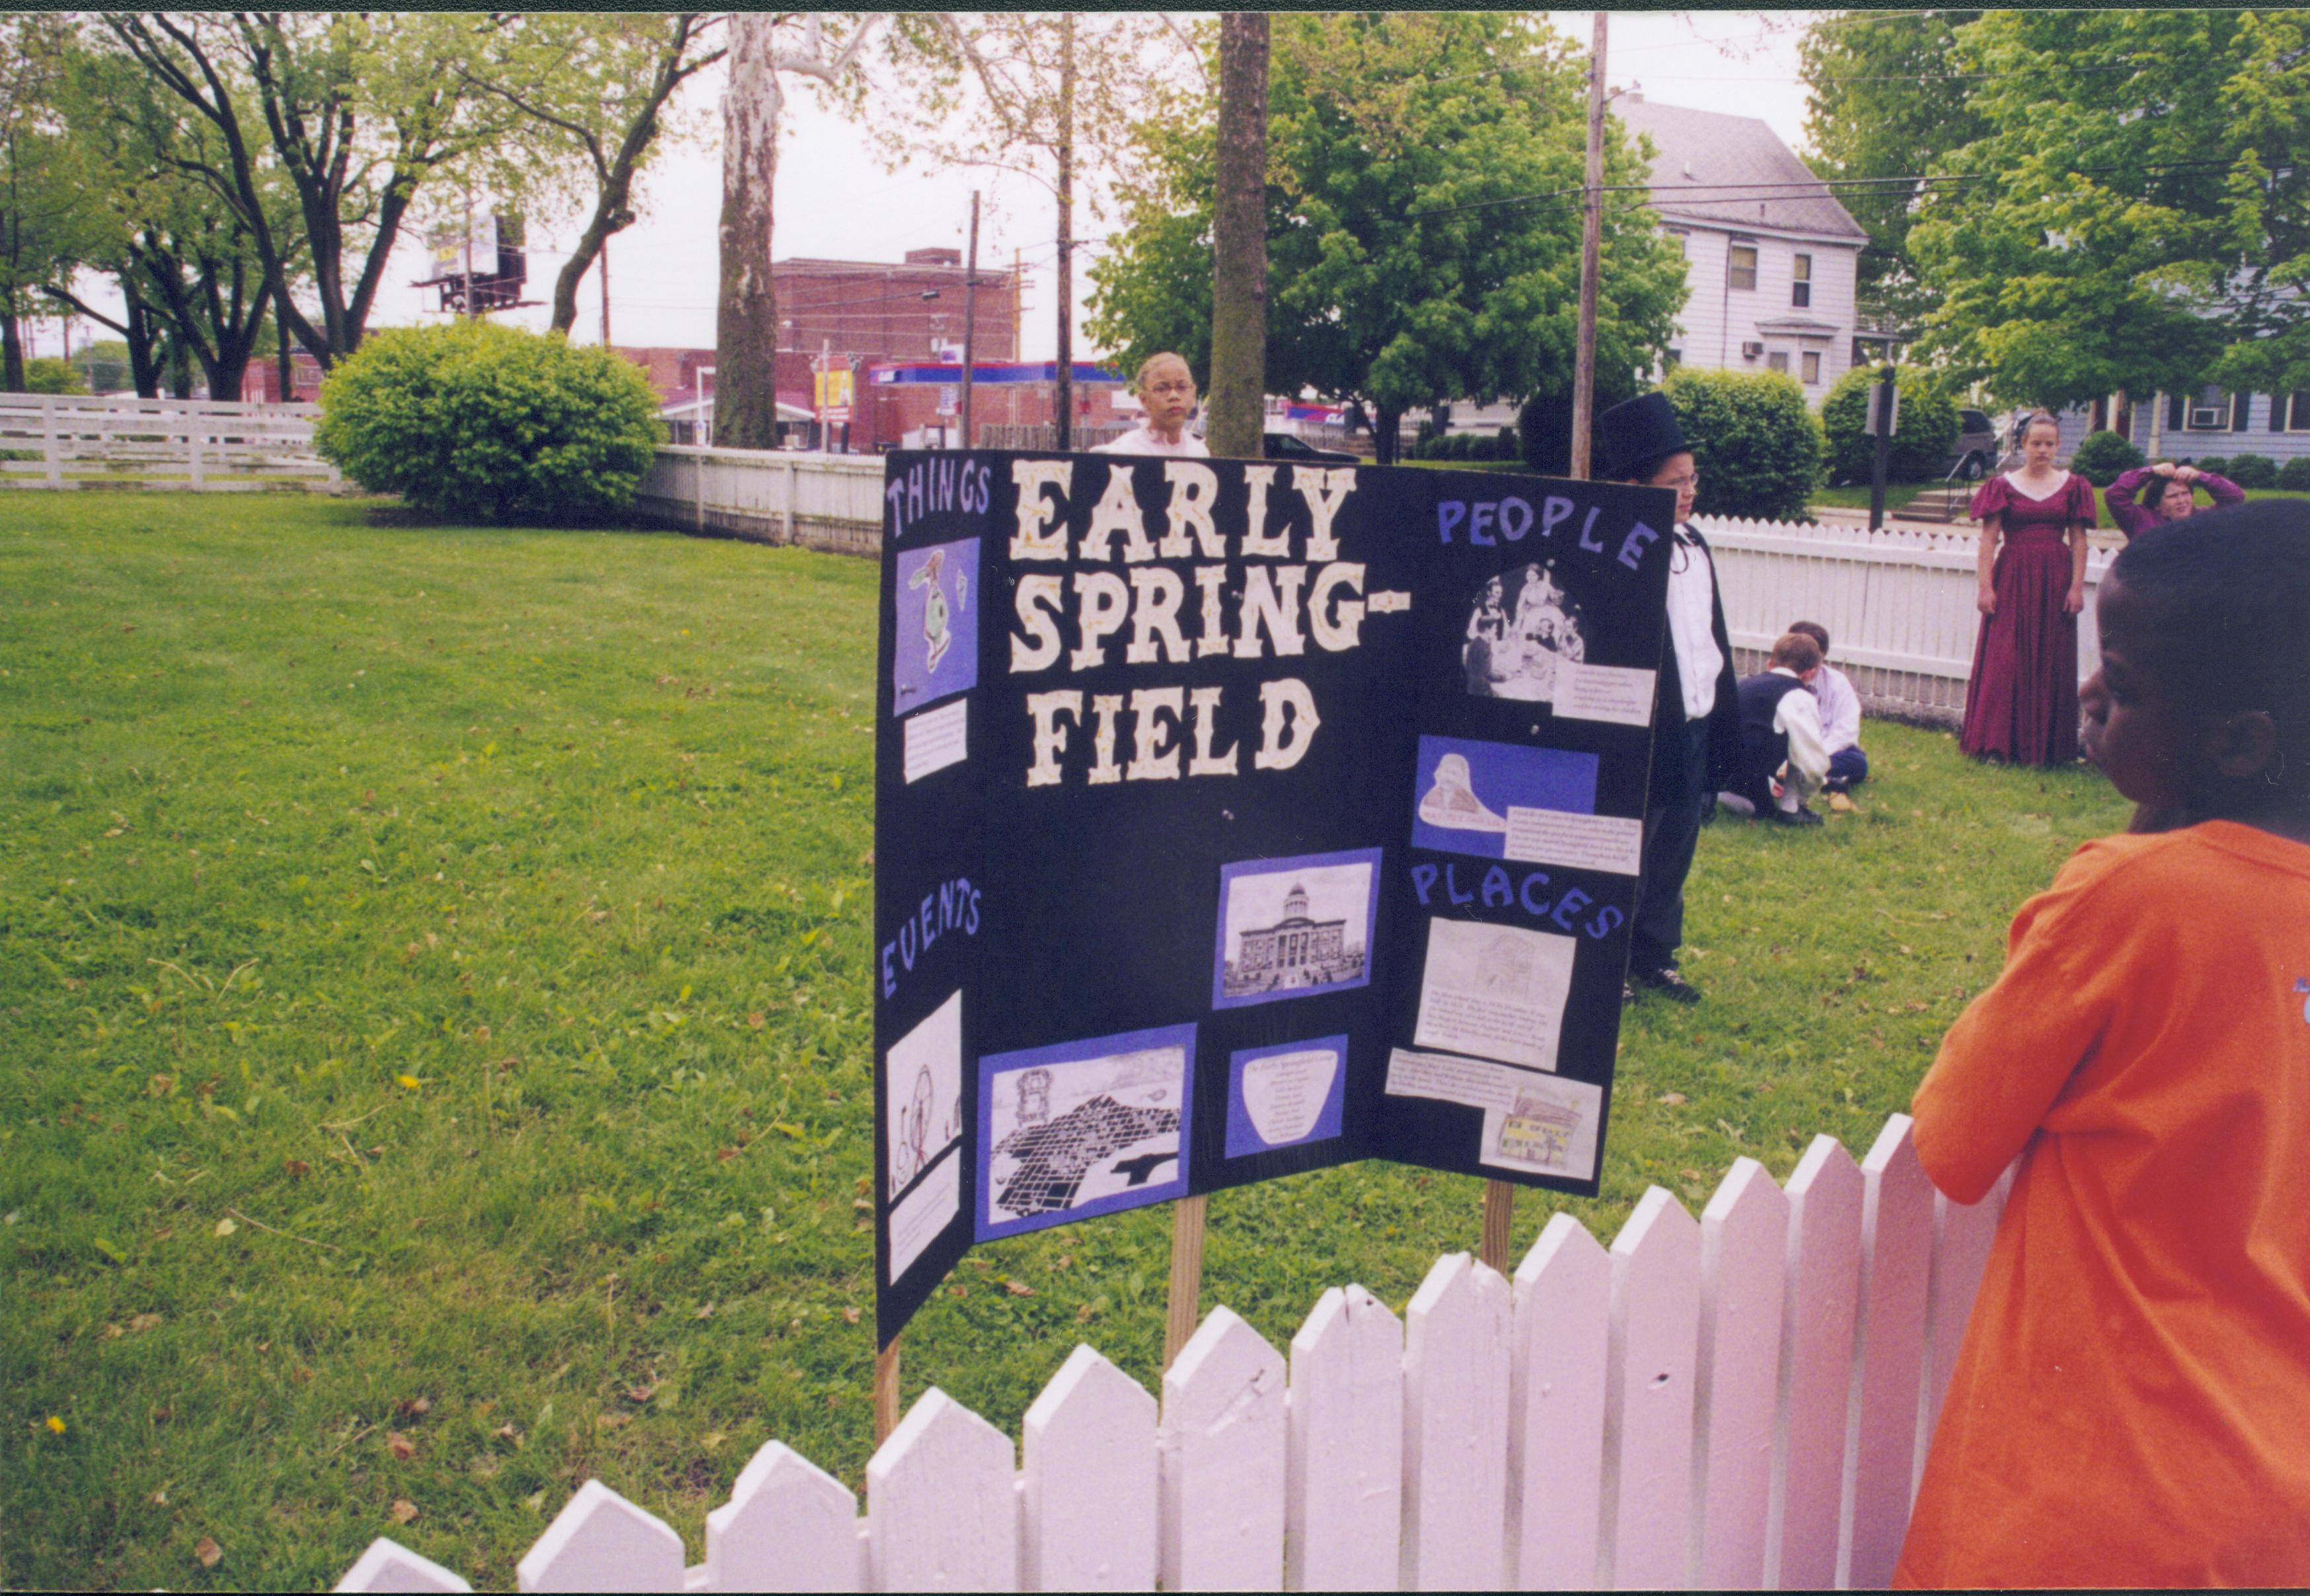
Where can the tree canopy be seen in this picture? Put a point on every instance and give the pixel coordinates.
(1883, 109)
(1423, 223)
(2131, 213)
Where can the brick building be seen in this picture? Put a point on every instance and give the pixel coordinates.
(868, 312)
(261, 383)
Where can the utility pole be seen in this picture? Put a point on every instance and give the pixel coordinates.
(1591, 236)
(1063, 391)
(472, 310)
(606, 293)
(970, 319)
(1884, 415)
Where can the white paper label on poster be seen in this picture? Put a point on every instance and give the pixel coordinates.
(1550, 1128)
(936, 738)
(1468, 1081)
(926, 1210)
(1579, 842)
(1614, 693)
(1284, 1093)
(923, 1083)
(1495, 990)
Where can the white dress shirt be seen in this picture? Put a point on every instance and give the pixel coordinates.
(1142, 439)
(1692, 596)
(1840, 709)
(1798, 717)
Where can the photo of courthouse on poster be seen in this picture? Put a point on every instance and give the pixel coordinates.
(1236, 820)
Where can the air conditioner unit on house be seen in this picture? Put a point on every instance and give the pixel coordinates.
(2209, 418)
(1750, 350)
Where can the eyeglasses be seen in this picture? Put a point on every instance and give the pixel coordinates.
(1172, 387)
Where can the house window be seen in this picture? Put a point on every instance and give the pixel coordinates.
(1811, 364)
(1741, 265)
(1801, 283)
(1676, 358)
(2298, 410)
(2208, 410)
(1778, 360)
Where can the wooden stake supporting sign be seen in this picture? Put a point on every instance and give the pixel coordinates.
(1186, 1276)
(1499, 1218)
(886, 1392)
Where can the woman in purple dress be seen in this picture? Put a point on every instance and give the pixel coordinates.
(2168, 498)
(2021, 704)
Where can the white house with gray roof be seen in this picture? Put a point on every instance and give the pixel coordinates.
(1771, 256)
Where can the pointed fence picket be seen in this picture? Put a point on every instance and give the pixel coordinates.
(1343, 1474)
(1738, 1401)
(1455, 1428)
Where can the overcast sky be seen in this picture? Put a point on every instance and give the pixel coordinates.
(835, 200)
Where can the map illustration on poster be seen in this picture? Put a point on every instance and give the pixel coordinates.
(1236, 820)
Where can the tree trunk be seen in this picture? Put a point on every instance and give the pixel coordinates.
(11, 352)
(746, 328)
(1239, 241)
(142, 338)
(1387, 425)
(1063, 390)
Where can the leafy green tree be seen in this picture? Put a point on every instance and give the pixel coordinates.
(188, 267)
(1409, 261)
(2136, 215)
(1887, 100)
(357, 112)
(596, 91)
(45, 225)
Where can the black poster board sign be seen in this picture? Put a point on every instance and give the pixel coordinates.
(1235, 820)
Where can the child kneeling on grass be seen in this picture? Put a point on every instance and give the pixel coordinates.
(2131, 1405)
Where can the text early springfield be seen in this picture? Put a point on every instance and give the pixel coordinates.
(1236, 820)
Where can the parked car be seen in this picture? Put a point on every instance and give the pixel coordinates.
(1287, 446)
(1977, 448)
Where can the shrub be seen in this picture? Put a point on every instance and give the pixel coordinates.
(489, 422)
(1423, 442)
(2295, 474)
(49, 374)
(2102, 455)
(1505, 446)
(2213, 463)
(1922, 446)
(1758, 447)
(2253, 471)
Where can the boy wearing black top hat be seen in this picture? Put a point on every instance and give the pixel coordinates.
(1696, 708)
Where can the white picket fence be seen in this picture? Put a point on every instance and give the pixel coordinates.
(1897, 604)
(1740, 1402)
(832, 502)
(166, 444)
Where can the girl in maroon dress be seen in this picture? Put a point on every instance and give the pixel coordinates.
(2021, 704)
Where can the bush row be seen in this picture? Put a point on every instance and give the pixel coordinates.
(1464, 446)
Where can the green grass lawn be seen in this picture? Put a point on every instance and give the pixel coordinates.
(434, 964)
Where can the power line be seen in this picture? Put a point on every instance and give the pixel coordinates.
(1741, 190)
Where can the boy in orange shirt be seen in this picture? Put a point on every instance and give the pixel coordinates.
(2131, 1406)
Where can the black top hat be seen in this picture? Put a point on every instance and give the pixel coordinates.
(1628, 435)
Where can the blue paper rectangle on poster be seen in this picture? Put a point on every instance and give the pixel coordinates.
(937, 652)
(1084, 1128)
(1285, 1096)
(1465, 789)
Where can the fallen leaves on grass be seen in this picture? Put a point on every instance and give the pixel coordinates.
(226, 1227)
(405, 1511)
(850, 1315)
(297, 1166)
(208, 1553)
(401, 1445)
(1673, 1099)
(1018, 1288)
(409, 1408)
